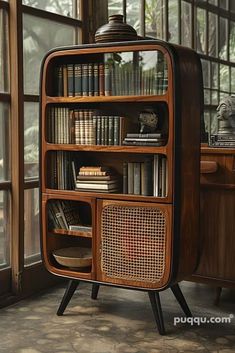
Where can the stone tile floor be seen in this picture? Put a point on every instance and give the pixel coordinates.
(120, 321)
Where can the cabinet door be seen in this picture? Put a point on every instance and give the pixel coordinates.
(134, 243)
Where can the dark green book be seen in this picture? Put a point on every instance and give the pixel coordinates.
(90, 80)
(70, 80)
(77, 79)
(96, 79)
(111, 131)
(85, 82)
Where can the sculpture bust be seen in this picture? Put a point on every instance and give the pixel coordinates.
(226, 115)
(148, 121)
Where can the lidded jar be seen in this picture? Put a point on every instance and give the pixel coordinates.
(115, 30)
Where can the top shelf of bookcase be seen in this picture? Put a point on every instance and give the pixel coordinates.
(103, 99)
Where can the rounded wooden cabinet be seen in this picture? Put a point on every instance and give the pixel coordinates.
(120, 158)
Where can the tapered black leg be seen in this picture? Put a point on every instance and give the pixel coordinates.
(72, 286)
(157, 311)
(95, 290)
(181, 300)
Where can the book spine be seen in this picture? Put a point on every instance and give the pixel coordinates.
(116, 130)
(101, 79)
(96, 79)
(106, 130)
(98, 130)
(111, 131)
(125, 178)
(107, 81)
(59, 80)
(70, 80)
(137, 178)
(65, 81)
(94, 118)
(90, 80)
(77, 79)
(130, 177)
(85, 82)
(102, 130)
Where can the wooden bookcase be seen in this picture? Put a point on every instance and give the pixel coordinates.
(137, 241)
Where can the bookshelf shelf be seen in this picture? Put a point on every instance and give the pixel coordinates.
(123, 147)
(102, 148)
(85, 234)
(107, 99)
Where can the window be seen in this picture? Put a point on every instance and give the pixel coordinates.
(28, 29)
(207, 26)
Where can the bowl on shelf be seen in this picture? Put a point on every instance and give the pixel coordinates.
(75, 257)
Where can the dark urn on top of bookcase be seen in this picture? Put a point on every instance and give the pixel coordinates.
(115, 30)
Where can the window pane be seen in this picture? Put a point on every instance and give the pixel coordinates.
(4, 142)
(61, 7)
(223, 39)
(213, 38)
(115, 7)
(233, 80)
(201, 31)
(133, 14)
(4, 67)
(4, 229)
(173, 21)
(232, 42)
(31, 227)
(213, 2)
(39, 36)
(215, 75)
(155, 18)
(206, 73)
(31, 116)
(224, 78)
(186, 24)
(224, 4)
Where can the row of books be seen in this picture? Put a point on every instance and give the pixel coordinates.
(62, 172)
(147, 178)
(97, 179)
(83, 127)
(64, 214)
(110, 78)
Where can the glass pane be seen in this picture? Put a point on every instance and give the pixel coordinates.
(39, 36)
(61, 7)
(201, 31)
(224, 4)
(232, 42)
(213, 2)
(214, 75)
(135, 73)
(206, 73)
(224, 78)
(31, 226)
(186, 24)
(4, 142)
(115, 7)
(223, 39)
(31, 142)
(207, 96)
(233, 80)
(207, 120)
(214, 97)
(213, 38)
(155, 18)
(4, 229)
(173, 21)
(4, 64)
(133, 14)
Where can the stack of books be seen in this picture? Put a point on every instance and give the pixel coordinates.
(150, 139)
(97, 179)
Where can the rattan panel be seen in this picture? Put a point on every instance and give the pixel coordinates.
(133, 243)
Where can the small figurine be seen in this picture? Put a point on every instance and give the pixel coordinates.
(226, 115)
(148, 121)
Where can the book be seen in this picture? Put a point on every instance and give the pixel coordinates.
(77, 80)
(70, 72)
(125, 178)
(80, 227)
(94, 177)
(136, 186)
(130, 177)
(96, 182)
(80, 185)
